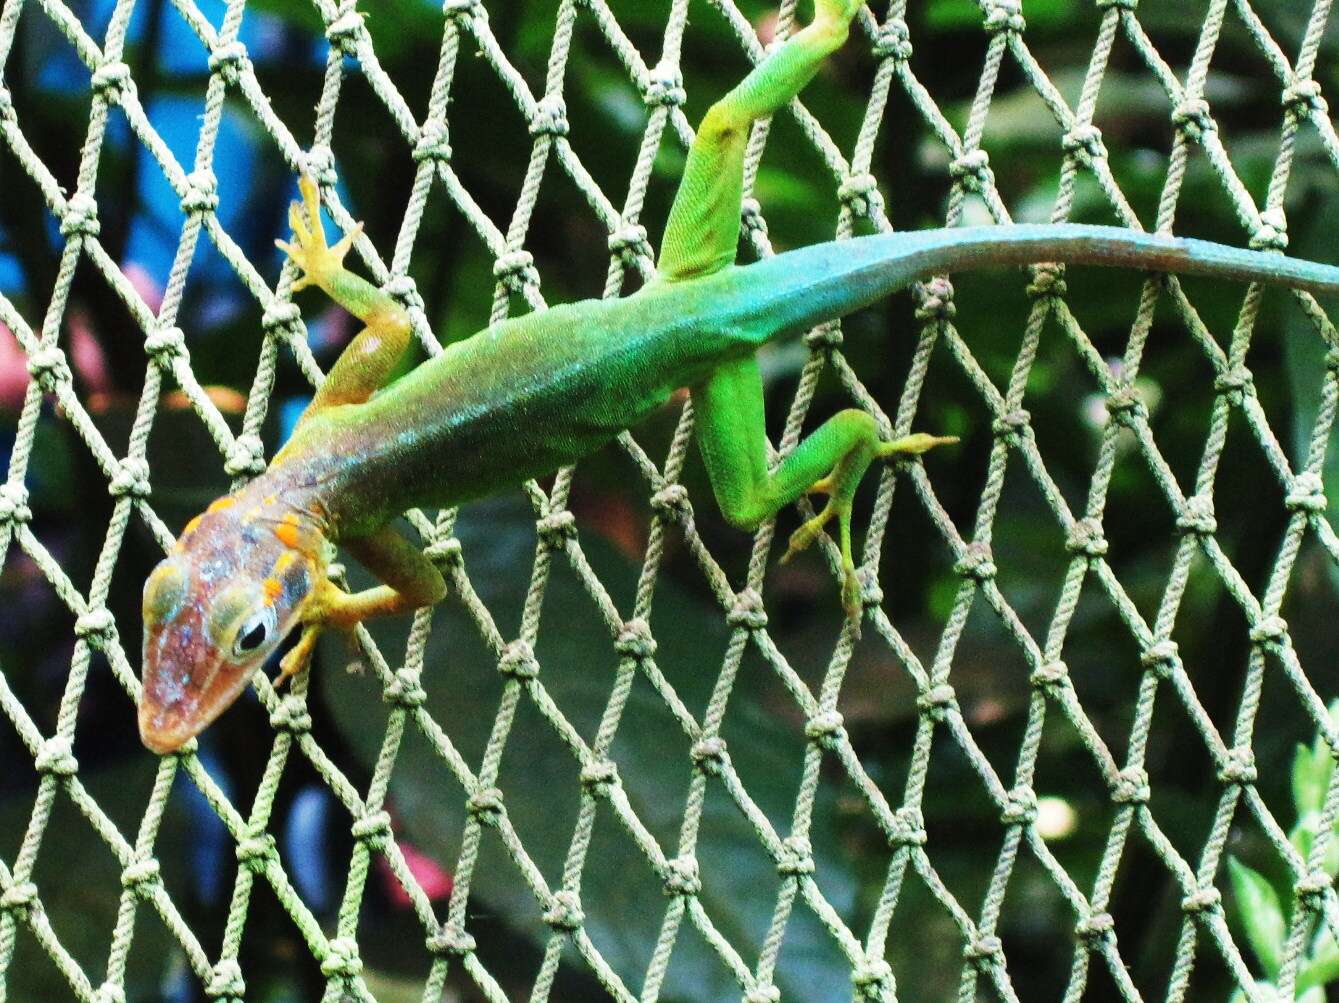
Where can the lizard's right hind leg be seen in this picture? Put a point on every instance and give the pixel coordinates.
(703, 230)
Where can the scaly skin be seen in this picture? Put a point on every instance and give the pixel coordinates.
(531, 394)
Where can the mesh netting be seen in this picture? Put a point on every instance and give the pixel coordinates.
(756, 960)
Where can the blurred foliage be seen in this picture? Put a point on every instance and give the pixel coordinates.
(454, 273)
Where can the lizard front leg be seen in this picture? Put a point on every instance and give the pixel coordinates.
(372, 357)
(411, 581)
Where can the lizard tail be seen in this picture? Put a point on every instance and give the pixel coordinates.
(814, 284)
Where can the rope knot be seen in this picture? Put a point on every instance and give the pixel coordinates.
(1020, 806)
(139, 877)
(671, 502)
(280, 317)
(57, 758)
(97, 626)
(826, 729)
(564, 912)
(256, 849)
(550, 117)
(246, 455)
(450, 941)
(1125, 405)
(1130, 786)
(934, 301)
(516, 270)
(1271, 232)
(201, 193)
(1302, 97)
(14, 504)
(1307, 493)
(445, 553)
(750, 216)
(893, 41)
(664, 86)
(1269, 632)
(404, 291)
(1161, 658)
(19, 899)
(1127, 5)
(518, 661)
(226, 982)
(1013, 425)
(404, 690)
(908, 828)
(1050, 675)
(228, 61)
(48, 366)
(860, 194)
(111, 81)
(1202, 900)
(983, 951)
(291, 715)
(485, 806)
(1086, 538)
(1239, 767)
(628, 243)
(320, 165)
(432, 143)
(131, 478)
(796, 858)
(1192, 117)
(1311, 886)
(345, 31)
(937, 701)
(709, 754)
(826, 337)
(635, 640)
(462, 10)
(556, 528)
(871, 979)
(165, 344)
(1234, 383)
(109, 992)
(680, 877)
(1005, 15)
(747, 611)
(871, 592)
(763, 994)
(1084, 142)
(1095, 929)
(598, 776)
(975, 562)
(971, 169)
(80, 218)
(373, 829)
(1048, 281)
(341, 960)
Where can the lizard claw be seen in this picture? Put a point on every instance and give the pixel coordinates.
(317, 261)
(299, 656)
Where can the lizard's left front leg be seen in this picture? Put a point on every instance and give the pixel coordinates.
(411, 581)
(831, 460)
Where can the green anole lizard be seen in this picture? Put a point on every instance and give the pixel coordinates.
(531, 394)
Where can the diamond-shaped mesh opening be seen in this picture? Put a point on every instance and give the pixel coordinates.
(641, 761)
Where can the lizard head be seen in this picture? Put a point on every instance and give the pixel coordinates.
(217, 608)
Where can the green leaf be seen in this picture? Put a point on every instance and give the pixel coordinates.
(621, 896)
(1260, 913)
(1322, 967)
(1312, 768)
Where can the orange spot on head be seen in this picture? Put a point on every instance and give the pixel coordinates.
(272, 587)
(191, 526)
(287, 531)
(227, 501)
(286, 559)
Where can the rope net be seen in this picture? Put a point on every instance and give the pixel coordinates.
(694, 944)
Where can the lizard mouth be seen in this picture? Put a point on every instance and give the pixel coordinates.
(184, 687)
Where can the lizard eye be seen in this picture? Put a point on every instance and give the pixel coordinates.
(253, 633)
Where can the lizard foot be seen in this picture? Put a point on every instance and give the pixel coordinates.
(309, 251)
(837, 508)
(915, 444)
